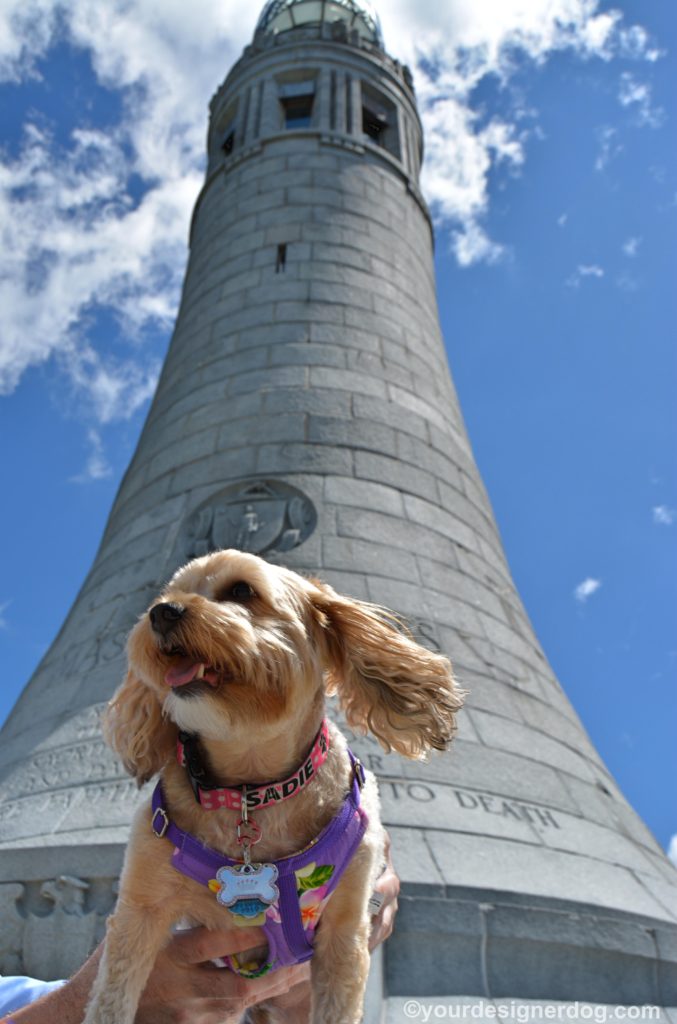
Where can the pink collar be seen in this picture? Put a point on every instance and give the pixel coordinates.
(216, 798)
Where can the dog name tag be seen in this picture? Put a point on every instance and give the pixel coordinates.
(247, 882)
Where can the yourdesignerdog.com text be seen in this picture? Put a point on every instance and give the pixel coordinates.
(428, 1013)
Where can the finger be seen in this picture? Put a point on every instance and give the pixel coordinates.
(232, 992)
(383, 922)
(388, 884)
(208, 1011)
(274, 984)
(197, 945)
(383, 928)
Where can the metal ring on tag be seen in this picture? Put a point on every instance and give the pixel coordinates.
(248, 831)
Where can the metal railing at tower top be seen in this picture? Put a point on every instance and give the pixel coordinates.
(282, 15)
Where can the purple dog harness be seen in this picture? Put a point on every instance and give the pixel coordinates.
(284, 897)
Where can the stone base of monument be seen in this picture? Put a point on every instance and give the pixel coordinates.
(502, 944)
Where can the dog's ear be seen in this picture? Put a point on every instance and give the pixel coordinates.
(386, 682)
(134, 726)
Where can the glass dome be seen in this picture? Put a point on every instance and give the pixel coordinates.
(281, 15)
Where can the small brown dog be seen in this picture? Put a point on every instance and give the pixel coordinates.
(232, 664)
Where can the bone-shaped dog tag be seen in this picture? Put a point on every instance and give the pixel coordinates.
(247, 882)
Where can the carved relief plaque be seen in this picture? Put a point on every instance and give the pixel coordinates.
(265, 517)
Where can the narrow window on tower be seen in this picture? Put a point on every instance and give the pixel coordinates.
(245, 129)
(332, 102)
(281, 259)
(379, 121)
(225, 133)
(298, 111)
(259, 110)
(297, 100)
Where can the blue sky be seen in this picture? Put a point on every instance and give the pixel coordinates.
(552, 171)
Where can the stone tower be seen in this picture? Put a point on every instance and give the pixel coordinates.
(305, 412)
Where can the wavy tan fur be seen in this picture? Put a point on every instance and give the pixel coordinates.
(138, 732)
(387, 684)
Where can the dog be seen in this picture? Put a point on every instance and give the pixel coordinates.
(228, 673)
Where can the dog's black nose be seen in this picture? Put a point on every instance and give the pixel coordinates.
(163, 617)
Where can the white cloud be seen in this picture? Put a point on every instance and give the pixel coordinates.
(634, 42)
(453, 47)
(636, 94)
(664, 516)
(25, 33)
(672, 850)
(628, 283)
(586, 589)
(631, 247)
(456, 173)
(609, 147)
(490, 32)
(97, 466)
(582, 271)
(77, 239)
(3, 608)
(113, 390)
(562, 220)
(590, 270)
(473, 245)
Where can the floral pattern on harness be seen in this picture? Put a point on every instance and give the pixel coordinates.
(312, 888)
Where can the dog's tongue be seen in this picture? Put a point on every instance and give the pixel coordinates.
(183, 672)
(186, 670)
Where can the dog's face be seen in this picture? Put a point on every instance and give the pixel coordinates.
(229, 642)
(236, 646)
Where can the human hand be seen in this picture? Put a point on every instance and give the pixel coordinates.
(388, 887)
(186, 988)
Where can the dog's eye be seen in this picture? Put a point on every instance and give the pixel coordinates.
(239, 591)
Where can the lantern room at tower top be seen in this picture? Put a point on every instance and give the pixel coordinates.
(316, 73)
(282, 15)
